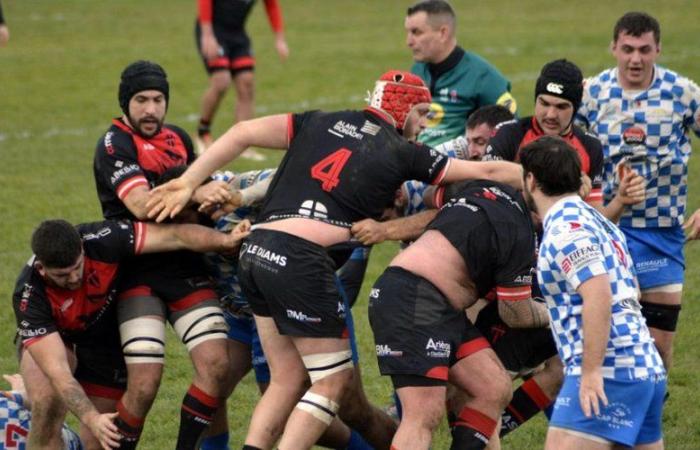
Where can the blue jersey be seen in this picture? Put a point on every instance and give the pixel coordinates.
(15, 421)
(648, 131)
(578, 244)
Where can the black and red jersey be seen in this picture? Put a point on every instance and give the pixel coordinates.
(41, 308)
(230, 15)
(513, 135)
(489, 224)
(125, 159)
(345, 166)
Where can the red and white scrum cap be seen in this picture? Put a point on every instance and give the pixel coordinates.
(397, 92)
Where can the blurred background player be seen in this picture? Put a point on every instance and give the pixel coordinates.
(4, 31)
(642, 113)
(226, 51)
(459, 81)
(614, 383)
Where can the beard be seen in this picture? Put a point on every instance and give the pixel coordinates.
(138, 126)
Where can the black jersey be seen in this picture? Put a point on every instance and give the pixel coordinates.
(513, 135)
(489, 225)
(124, 160)
(345, 166)
(77, 315)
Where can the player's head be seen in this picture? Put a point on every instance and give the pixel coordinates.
(481, 126)
(636, 45)
(430, 30)
(143, 96)
(551, 168)
(59, 253)
(397, 93)
(558, 94)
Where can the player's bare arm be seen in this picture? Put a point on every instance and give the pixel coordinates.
(631, 191)
(370, 231)
(501, 171)
(528, 313)
(49, 354)
(168, 237)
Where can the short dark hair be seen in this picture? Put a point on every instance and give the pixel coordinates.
(433, 8)
(637, 23)
(56, 244)
(555, 165)
(491, 115)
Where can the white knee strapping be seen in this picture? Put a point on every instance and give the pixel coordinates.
(322, 408)
(143, 340)
(200, 325)
(321, 365)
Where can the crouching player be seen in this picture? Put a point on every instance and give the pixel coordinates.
(614, 377)
(482, 238)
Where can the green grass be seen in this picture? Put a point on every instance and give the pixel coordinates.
(58, 90)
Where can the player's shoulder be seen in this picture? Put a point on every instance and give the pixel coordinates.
(479, 63)
(678, 84)
(600, 83)
(103, 239)
(589, 140)
(29, 282)
(113, 140)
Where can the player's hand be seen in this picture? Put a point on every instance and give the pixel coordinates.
(103, 428)
(168, 199)
(16, 383)
(591, 393)
(368, 231)
(4, 35)
(632, 188)
(210, 46)
(282, 48)
(216, 212)
(586, 186)
(692, 226)
(237, 235)
(212, 193)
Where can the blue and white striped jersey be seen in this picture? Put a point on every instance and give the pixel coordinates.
(578, 244)
(647, 130)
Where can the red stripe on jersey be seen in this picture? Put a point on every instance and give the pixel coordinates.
(595, 195)
(471, 347)
(290, 129)
(513, 294)
(242, 62)
(138, 291)
(203, 397)
(205, 11)
(127, 185)
(96, 390)
(140, 230)
(274, 15)
(438, 373)
(440, 176)
(192, 299)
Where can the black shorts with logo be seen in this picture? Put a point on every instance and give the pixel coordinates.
(293, 281)
(236, 51)
(519, 349)
(416, 330)
(101, 369)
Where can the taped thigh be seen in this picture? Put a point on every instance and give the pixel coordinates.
(322, 365)
(143, 340)
(322, 408)
(203, 322)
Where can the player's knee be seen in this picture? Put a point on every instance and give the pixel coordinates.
(220, 81)
(245, 86)
(662, 317)
(498, 389)
(143, 341)
(215, 367)
(143, 384)
(331, 373)
(201, 324)
(319, 406)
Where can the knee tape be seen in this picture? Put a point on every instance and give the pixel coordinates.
(201, 325)
(322, 408)
(143, 340)
(321, 365)
(663, 317)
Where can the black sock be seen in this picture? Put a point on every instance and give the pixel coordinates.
(129, 426)
(203, 128)
(197, 411)
(472, 430)
(528, 400)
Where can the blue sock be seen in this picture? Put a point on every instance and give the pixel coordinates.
(357, 442)
(217, 442)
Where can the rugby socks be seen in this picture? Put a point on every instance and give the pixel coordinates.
(217, 442)
(528, 400)
(357, 442)
(197, 411)
(203, 129)
(129, 427)
(472, 430)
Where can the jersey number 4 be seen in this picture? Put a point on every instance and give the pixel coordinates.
(328, 169)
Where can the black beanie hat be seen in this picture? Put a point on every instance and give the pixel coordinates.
(563, 79)
(141, 76)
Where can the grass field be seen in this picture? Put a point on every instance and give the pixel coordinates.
(58, 91)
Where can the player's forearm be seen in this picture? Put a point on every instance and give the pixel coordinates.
(613, 210)
(596, 321)
(500, 171)
(523, 313)
(75, 399)
(193, 237)
(408, 228)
